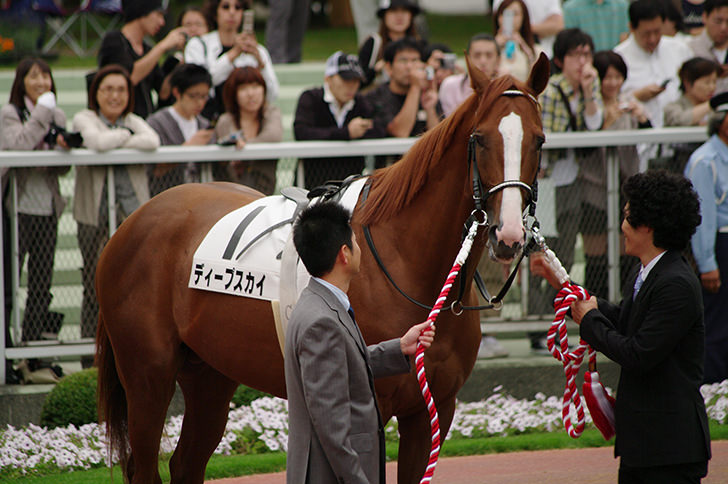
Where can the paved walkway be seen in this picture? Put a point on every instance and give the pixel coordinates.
(586, 466)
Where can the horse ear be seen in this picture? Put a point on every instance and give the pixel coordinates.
(478, 80)
(539, 74)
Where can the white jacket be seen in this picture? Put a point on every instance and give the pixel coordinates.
(98, 136)
(206, 51)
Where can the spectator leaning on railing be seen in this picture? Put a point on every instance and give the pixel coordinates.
(181, 124)
(698, 78)
(249, 118)
(334, 111)
(108, 123)
(32, 121)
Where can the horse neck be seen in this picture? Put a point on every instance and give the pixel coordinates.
(433, 221)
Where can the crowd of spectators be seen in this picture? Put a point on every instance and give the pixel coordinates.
(616, 64)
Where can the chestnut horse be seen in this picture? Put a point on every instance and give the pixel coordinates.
(154, 331)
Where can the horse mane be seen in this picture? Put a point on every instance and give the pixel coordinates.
(395, 186)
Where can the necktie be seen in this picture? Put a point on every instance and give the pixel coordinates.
(637, 285)
(351, 313)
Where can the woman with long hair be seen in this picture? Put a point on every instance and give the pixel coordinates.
(107, 124)
(226, 48)
(31, 121)
(512, 27)
(396, 22)
(248, 118)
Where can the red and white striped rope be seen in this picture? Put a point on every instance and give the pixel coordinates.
(571, 360)
(420, 354)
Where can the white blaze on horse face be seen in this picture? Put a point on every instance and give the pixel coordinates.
(511, 227)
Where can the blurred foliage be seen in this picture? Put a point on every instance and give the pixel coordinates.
(72, 401)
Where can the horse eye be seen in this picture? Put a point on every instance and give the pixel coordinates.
(479, 139)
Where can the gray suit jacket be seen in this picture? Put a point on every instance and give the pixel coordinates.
(335, 431)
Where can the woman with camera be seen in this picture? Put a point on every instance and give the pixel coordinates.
(32, 121)
(228, 47)
(249, 119)
(107, 124)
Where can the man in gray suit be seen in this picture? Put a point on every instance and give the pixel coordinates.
(335, 430)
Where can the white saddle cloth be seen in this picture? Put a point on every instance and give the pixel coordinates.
(230, 260)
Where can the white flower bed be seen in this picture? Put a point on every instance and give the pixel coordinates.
(263, 426)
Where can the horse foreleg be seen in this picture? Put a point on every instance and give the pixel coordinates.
(207, 394)
(415, 441)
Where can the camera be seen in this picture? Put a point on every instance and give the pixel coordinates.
(447, 61)
(73, 139)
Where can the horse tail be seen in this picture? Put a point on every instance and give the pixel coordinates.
(111, 397)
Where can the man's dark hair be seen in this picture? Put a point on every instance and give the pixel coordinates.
(394, 48)
(184, 76)
(644, 10)
(710, 5)
(666, 203)
(569, 39)
(319, 233)
(486, 37)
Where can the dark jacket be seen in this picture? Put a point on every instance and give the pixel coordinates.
(658, 340)
(314, 121)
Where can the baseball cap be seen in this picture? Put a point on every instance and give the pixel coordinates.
(346, 66)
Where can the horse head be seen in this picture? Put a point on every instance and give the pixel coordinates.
(505, 146)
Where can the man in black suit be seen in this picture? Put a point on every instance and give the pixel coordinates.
(657, 335)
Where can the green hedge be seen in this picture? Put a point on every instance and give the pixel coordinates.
(72, 401)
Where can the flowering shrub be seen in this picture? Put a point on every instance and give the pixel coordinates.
(263, 427)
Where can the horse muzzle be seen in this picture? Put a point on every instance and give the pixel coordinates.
(505, 245)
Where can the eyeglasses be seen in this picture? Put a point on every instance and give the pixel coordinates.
(231, 6)
(108, 90)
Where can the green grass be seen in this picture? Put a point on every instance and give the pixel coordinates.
(221, 467)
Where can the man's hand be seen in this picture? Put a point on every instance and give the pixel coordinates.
(175, 39)
(648, 92)
(580, 308)
(538, 266)
(588, 75)
(711, 280)
(358, 126)
(200, 138)
(422, 333)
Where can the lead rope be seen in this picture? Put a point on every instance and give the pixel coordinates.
(598, 400)
(420, 353)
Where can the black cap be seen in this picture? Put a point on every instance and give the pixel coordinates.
(719, 102)
(346, 66)
(385, 5)
(134, 9)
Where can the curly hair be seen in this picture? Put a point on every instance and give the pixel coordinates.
(665, 202)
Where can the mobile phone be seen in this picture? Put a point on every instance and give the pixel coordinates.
(665, 83)
(508, 17)
(248, 21)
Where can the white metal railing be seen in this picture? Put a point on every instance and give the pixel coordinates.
(320, 149)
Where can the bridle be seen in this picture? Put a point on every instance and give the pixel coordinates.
(479, 214)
